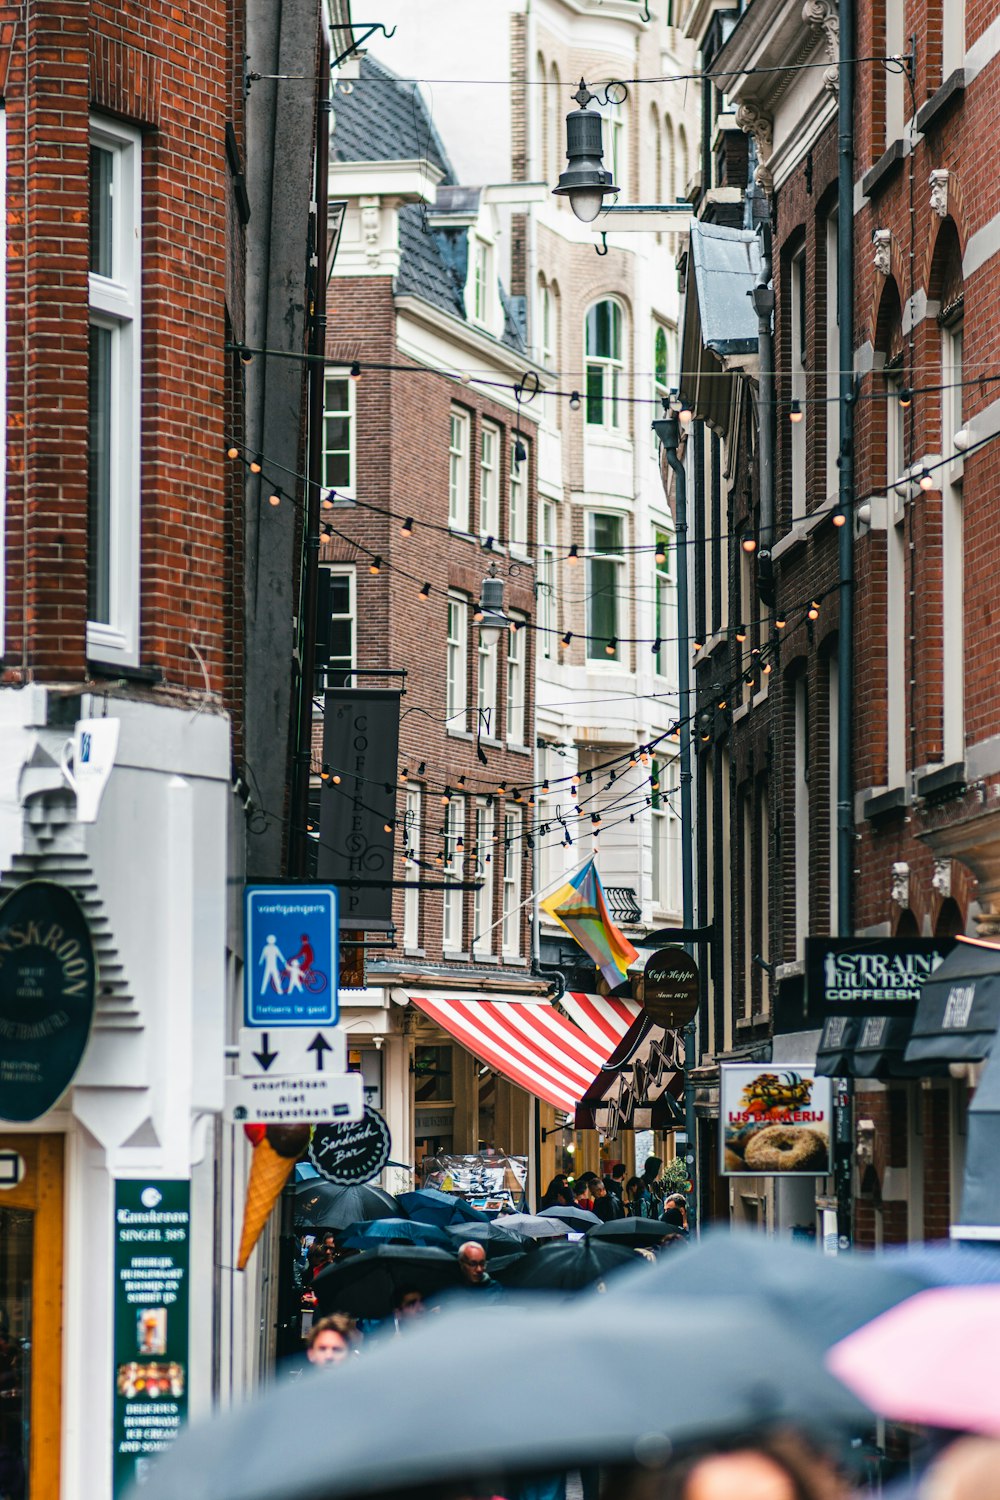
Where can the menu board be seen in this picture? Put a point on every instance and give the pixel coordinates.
(152, 1236)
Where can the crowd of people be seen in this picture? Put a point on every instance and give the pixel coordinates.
(612, 1196)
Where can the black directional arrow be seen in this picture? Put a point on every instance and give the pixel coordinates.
(265, 1056)
(319, 1045)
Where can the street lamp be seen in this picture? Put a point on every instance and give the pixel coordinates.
(493, 618)
(585, 182)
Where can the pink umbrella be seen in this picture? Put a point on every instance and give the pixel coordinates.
(933, 1359)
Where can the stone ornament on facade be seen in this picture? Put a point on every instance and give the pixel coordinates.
(371, 228)
(882, 251)
(941, 879)
(753, 122)
(939, 192)
(899, 891)
(823, 13)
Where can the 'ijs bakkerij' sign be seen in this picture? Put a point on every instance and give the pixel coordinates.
(861, 976)
(47, 982)
(291, 960)
(775, 1120)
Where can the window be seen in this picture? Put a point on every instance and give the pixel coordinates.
(833, 758)
(517, 534)
(604, 365)
(341, 657)
(801, 795)
(556, 123)
(832, 358)
(545, 329)
(482, 276)
(605, 562)
(895, 587)
(338, 434)
(489, 481)
(411, 843)
(515, 684)
(458, 470)
(798, 323)
(895, 82)
(114, 394)
(616, 144)
(664, 605)
(671, 189)
(456, 689)
(661, 378)
(666, 837)
(512, 884)
(452, 910)
(486, 700)
(546, 577)
(952, 38)
(952, 548)
(482, 901)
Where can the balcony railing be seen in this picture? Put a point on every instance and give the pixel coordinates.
(623, 903)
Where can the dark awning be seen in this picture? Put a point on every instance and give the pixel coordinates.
(959, 1007)
(868, 1047)
(980, 1216)
(836, 1047)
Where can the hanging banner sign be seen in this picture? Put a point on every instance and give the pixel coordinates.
(361, 750)
(351, 1153)
(774, 1124)
(858, 976)
(47, 982)
(670, 988)
(152, 1237)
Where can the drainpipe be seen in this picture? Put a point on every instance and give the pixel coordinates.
(668, 431)
(763, 301)
(845, 639)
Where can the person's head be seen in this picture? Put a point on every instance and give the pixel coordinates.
(331, 1339)
(409, 1303)
(472, 1262)
(678, 1200)
(775, 1466)
(653, 1168)
(598, 1188)
(633, 1187)
(618, 1171)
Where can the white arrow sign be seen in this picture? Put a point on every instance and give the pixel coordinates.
(316, 1099)
(285, 1051)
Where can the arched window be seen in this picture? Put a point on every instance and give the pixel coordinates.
(661, 364)
(669, 165)
(554, 110)
(542, 142)
(604, 365)
(683, 168)
(655, 190)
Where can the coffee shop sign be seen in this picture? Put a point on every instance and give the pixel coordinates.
(849, 972)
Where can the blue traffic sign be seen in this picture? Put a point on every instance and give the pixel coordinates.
(291, 955)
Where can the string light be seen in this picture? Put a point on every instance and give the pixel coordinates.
(327, 501)
(741, 633)
(407, 527)
(446, 796)
(375, 566)
(275, 499)
(660, 555)
(566, 638)
(336, 778)
(545, 787)
(839, 517)
(232, 452)
(748, 542)
(575, 779)
(655, 648)
(611, 648)
(926, 480)
(425, 592)
(355, 371)
(795, 412)
(812, 613)
(387, 825)
(255, 466)
(574, 401)
(778, 624)
(595, 821)
(574, 555)
(422, 768)
(905, 397)
(404, 775)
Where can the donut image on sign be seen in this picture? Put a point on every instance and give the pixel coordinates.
(775, 1121)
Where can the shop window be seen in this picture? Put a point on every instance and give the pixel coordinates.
(432, 1075)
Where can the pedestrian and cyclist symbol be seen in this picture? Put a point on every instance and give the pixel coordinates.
(291, 955)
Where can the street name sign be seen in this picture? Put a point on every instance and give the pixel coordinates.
(319, 1098)
(291, 955)
(285, 1051)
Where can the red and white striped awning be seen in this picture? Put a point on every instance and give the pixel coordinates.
(603, 1018)
(530, 1044)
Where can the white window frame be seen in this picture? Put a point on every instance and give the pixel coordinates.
(517, 500)
(453, 903)
(895, 584)
(596, 646)
(664, 607)
(348, 491)
(487, 683)
(115, 303)
(797, 332)
(952, 546)
(490, 449)
(512, 854)
(612, 367)
(458, 470)
(832, 359)
(547, 607)
(457, 666)
(411, 896)
(339, 570)
(665, 833)
(803, 829)
(516, 683)
(3, 378)
(481, 298)
(895, 83)
(482, 900)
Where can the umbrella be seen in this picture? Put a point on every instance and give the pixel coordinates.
(398, 1231)
(948, 1262)
(823, 1297)
(636, 1231)
(740, 1371)
(431, 1206)
(366, 1284)
(496, 1239)
(534, 1226)
(935, 1359)
(569, 1265)
(321, 1205)
(499, 1265)
(578, 1219)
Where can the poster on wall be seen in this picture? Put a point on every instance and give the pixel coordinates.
(152, 1235)
(775, 1122)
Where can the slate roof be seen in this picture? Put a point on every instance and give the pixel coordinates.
(384, 118)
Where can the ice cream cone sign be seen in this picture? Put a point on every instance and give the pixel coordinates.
(276, 1149)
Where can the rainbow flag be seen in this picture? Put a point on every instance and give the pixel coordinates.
(580, 907)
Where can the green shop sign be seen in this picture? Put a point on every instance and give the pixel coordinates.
(152, 1256)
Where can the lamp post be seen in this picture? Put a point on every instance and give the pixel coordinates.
(585, 182)
(493, 618)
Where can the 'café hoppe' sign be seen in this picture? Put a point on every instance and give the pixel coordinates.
(47, 980)
(865, 976)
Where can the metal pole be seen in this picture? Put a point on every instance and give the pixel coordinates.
(669, 433)
(845, 639)
(298, 843)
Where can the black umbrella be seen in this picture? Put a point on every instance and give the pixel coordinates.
(494, 1239)
(568, 1265)
(740, 1372)
(578, 1219)
(366, 1284)
(393, 1231)
(823, 1297)
(637, 1231)
(431, 1206)
(321, 1205)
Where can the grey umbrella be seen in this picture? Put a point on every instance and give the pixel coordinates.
(321, 1205)
(376, 1423)
(534, 1226)
(495, 1239)
(578, 1219)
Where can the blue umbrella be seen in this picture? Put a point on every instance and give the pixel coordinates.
(400, 1231)
(947, 1262)
(431, 1206)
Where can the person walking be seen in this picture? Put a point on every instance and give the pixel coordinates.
(637, 1199)
(607, 1206)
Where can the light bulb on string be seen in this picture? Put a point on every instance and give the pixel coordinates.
(327, 501)
(741, 633)
(275, 499)
(905, 397)
(655, 648)
(421, 768)
(232, 452)
(375, 566)
(336, 778)
(611, 649)
(566, 638)
(574, 555)
(407, 527)
(404, 775)
(795, 411)
(425, 591)
(926, 480)
(812, 613)
(446, 796)
(838, 517)
(355, 371)
(780, 623)
(255, 466)
(749, 542)
(660, 555)
(574, 401)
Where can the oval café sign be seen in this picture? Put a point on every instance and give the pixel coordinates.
(670, 988)
(47, 982)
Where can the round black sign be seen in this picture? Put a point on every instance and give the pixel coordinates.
(670, 988)
(351, 1153)
(47, 980)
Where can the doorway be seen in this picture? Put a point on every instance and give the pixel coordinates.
(31, 1278)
